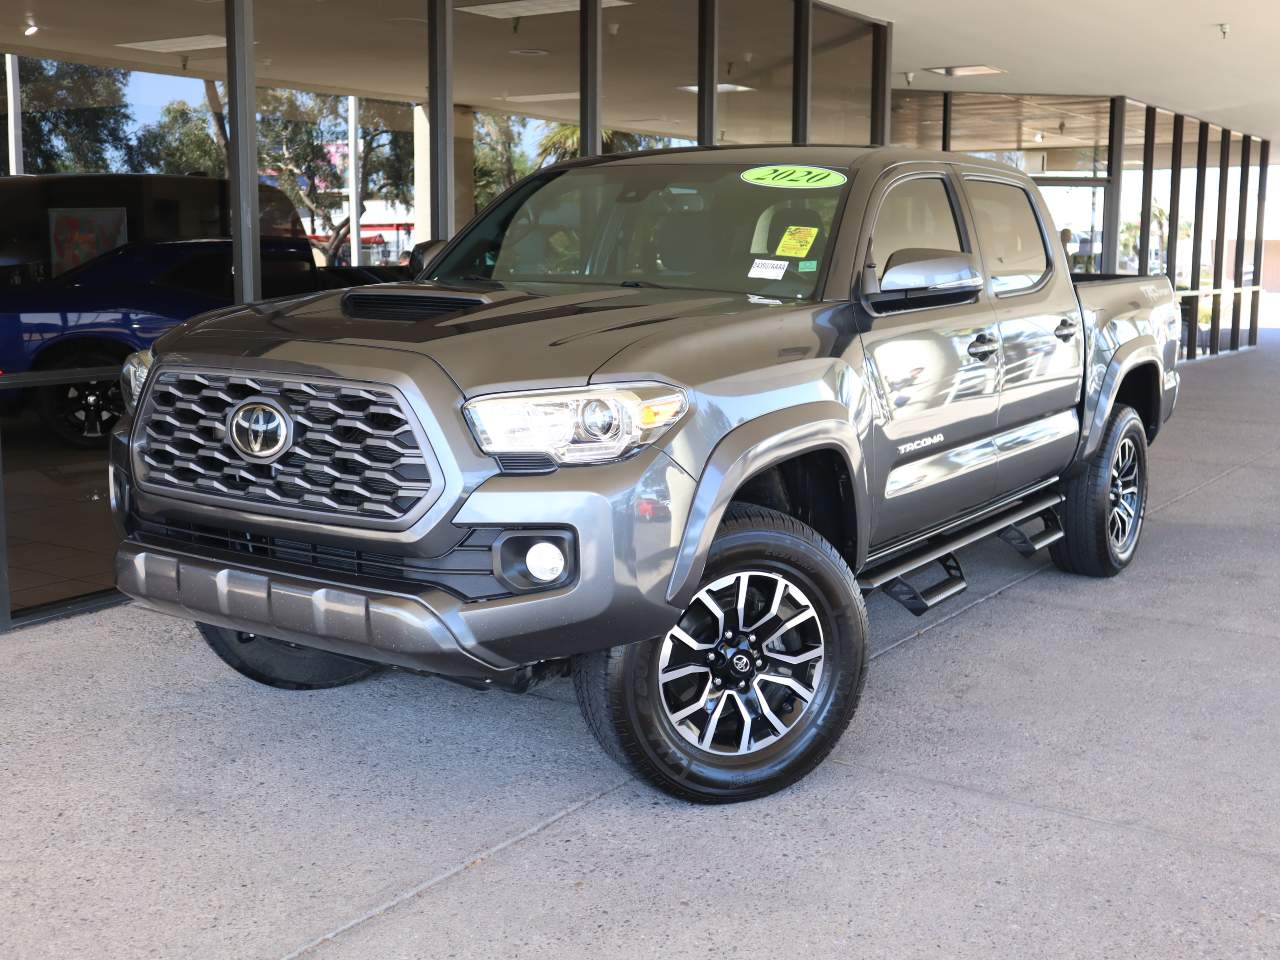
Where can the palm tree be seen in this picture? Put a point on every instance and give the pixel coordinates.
(563, 141)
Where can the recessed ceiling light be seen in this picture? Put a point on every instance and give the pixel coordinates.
(510, 9)
(205, 41)
(972, 70)
(720, 88)
(539, 97)
(529, 52)
(30, 31)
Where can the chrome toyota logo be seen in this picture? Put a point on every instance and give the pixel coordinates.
(259, 430)
(741, 663)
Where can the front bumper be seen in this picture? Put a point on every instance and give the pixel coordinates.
(627, 520)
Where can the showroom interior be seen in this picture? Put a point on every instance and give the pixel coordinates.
(444, 103)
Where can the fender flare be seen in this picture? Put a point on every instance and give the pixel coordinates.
(1127, 358)
(750, 449)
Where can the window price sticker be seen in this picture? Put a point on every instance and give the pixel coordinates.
(796, 241)
(768, 270)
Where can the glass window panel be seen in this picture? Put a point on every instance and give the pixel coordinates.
(1135, 123)
(1161, 194)
(916, 214)
(1186, 269)
(516, 95)
(1209, 215)
(131, 134)
(916, 119)
(1077, 215)
(1041, 135)
(840, 107)
(649, 75)
(1009, 235)
(754, 76)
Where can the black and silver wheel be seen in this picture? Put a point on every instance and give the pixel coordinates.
(1106, 504)
(757, 680)
(278, 663)
(82, 414)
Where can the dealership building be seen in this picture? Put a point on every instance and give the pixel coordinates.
(394, 119)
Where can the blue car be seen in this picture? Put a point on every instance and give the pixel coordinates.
(96, 314)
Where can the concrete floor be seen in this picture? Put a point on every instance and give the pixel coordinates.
(1046, 767)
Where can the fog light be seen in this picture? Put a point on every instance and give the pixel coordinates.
(544, 561)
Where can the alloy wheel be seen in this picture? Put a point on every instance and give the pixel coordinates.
(1124, 516)
(743, 664)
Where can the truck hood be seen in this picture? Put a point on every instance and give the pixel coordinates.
(486, 340)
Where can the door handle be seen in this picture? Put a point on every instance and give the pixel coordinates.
(1065, 330)
(982, 346)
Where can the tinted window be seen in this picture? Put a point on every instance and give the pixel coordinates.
(208, 274)
(914, 214)
(1009, 234)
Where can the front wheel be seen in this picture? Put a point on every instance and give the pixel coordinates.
(278, 663)
(757, 680)
(82, 414)
(1106, 503)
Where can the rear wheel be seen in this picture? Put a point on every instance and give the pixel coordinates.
(82, 414)
(755, 683)
(278, 663)
(1106, 504)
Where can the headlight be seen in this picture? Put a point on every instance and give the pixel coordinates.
(586, 425)
(133, 376)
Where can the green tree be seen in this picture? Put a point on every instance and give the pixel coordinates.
(563, 141)
(500, 161)
(180, 142)
(74, 117)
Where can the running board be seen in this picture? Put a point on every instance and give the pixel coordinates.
(889, 574)
(1029, 544)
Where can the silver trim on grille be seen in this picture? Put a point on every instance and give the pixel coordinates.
(357, 455)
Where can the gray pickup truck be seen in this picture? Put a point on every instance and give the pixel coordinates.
(659, 422)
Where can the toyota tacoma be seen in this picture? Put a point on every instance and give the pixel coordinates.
(657, 422)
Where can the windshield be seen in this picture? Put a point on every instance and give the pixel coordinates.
(726, 227)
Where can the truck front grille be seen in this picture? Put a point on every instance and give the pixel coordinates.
(354, 453)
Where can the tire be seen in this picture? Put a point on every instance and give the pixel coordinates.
(287, 666)
(82, 414)
(1111, 488)
(648, 726)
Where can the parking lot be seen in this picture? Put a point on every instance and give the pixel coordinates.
(1045, 767)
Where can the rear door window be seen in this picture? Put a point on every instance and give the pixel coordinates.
(1009, 234)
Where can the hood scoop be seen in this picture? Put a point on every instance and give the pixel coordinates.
(406, 305)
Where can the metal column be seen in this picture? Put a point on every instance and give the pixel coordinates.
(1111, 205)
(591, 137)
(802, 70)
(1148, 175)
(1219, 241)
(1242, 230)
(708, 59)
(1259, 240)
(353, 179)
(440, 114)
(946, 120)
(242, 132)
(1175, 199)
(881, 83)
(13, 96)
(1197, 236)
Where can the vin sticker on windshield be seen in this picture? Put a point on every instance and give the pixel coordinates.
(794, 177)
(768, 270)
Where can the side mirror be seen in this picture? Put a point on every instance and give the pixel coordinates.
(423, 253)
(922, 272)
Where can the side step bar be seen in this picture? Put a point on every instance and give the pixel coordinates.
(890, 575)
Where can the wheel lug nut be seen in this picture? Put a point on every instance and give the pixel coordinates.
(717, 681)
(751, 638)
(742, 684)
(759, 662)
(728, 634)
(711, 656)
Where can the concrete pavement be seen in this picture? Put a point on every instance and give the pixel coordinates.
(1045, 767)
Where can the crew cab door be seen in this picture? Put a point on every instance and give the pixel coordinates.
(933, 360)
(1040, 328)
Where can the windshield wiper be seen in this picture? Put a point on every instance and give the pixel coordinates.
(643, 283)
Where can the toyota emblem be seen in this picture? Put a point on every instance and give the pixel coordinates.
(259, 430)
(741, 663)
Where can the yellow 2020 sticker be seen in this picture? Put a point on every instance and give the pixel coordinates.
(796, 241)
(793, 176)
